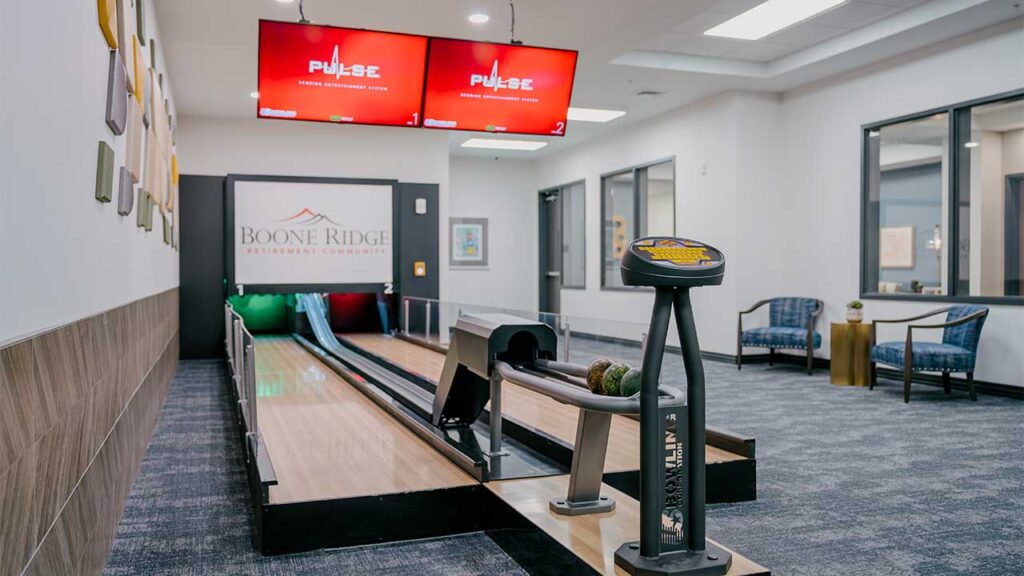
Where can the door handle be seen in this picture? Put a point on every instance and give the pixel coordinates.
(553, 274)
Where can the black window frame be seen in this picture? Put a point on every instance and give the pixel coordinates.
(639, 213)
(559, 191)
(955, 113)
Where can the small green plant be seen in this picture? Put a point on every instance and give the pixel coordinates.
(855, 304)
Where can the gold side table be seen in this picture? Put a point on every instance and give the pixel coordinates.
(851, 353)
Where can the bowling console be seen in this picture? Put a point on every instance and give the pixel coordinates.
(526, 474)
(487, 350)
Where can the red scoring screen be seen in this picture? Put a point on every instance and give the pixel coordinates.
(498, 87)
(340, 75)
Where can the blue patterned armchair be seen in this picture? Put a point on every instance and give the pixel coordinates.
(791, 325)
(956, 353)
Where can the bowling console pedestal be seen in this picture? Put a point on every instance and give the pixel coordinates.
(489, 349)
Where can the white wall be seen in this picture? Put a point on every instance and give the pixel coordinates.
(702, 138)
(505, 192)
(821, 129)
(774, 181)
(63, 255)
(220, 146)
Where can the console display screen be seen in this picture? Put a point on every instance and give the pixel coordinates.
(497, 87)
(342, 75)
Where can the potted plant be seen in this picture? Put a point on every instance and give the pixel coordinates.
(855, 312)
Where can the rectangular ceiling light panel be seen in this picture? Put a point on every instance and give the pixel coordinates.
(770, 17)
(594, 114)
(495, 144)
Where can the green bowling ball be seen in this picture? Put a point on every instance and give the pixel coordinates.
(612, 378)
(630, 383)
(595, 374)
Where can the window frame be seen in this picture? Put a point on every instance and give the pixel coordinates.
(952, 232)
(559, 189)
(639, 211)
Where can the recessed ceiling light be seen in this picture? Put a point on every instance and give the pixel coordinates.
(594, 114)
(495, 144)
(479, 18)
(285, 1)
(770, 17)
(254, 95)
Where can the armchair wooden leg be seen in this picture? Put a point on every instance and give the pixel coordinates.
(946, 386)
(907, 373)
(810, 360)
(970, 387)
(739, 358)
(874, 376)
(771, 356)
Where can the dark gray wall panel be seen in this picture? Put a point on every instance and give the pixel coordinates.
(202, 266)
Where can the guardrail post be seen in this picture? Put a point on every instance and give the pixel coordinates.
(250, 393)
(405, 316)
(565, 341)
(496, 450)
(427, 330)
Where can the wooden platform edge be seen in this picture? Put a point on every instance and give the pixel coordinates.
(579, 534)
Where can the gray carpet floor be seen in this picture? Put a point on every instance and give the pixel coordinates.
(854, 482)
(850, 482)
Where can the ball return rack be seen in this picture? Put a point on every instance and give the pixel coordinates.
(489, 349)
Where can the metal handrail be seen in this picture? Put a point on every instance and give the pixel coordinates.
(575, 396)
(241, 354)
(429, 304)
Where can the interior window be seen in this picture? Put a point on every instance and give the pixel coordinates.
(574, 272)
(907, 208)
(636, 202)
(990, 210)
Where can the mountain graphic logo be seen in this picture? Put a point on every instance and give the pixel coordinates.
(307, 217)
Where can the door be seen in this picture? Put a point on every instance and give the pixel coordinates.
(550, 251)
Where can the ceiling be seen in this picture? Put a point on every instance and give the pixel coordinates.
(626, 46)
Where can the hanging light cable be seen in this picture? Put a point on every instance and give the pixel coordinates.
(512, 6)
(302, 14)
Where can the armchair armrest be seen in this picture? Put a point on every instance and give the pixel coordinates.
(754, 307)
(739, 326)
(912, 318)
(810, 323)
(957, 322)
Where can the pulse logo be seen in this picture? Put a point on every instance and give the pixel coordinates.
(338, 69)
(497, 82)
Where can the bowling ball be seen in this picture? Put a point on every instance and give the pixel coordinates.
(595, 374)
(630, 383)
(612, 378)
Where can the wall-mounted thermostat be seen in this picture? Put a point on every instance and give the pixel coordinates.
(419, 268)
(421, 205)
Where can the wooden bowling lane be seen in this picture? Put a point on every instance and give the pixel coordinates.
(327, 440)
(594, 537)
(527, 406)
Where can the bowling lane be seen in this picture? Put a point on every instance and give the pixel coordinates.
(524, 405)
(327, 440)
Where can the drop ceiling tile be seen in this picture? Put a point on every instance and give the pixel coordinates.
(804, 35)
(734, 7)
(896, 3)
(761, 51)
(854, 15)
(703, 45)
(701, 22)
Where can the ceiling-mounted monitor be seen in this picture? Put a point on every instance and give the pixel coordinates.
(341, 75)
(502, 88)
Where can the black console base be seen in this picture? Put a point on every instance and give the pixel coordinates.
(714, 561)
